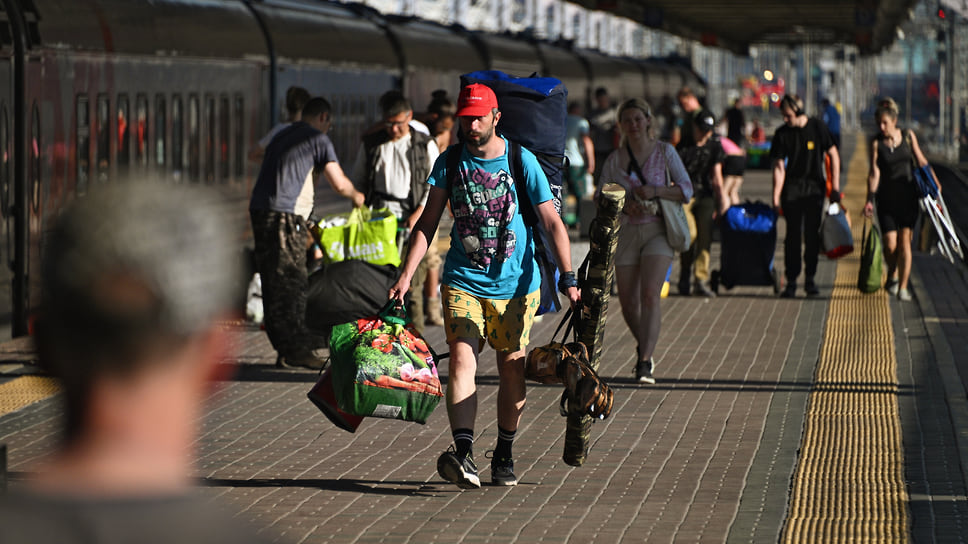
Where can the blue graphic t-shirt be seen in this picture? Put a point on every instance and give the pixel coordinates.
(491, 250)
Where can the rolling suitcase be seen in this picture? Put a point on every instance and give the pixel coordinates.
(748, 238)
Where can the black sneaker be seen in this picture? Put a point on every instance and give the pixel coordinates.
(455, 470)
(811, 289)
(790, 291)
(643, 372)
(502, 470)
(301, 360)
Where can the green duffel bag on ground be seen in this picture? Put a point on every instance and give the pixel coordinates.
(871, 259)
(383, 368)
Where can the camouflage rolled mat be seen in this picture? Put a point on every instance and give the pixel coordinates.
(595, 281)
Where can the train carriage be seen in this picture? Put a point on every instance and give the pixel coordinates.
(105, 90)
(115, 89)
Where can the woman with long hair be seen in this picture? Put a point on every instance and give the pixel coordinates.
(643, 254)
(891, 185)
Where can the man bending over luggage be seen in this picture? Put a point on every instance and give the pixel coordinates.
(282, 201)
(490, 281)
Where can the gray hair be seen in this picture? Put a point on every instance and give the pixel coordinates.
(130, 273)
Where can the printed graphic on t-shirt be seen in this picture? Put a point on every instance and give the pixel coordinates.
(484, 205)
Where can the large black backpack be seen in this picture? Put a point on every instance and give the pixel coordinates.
(534, 111)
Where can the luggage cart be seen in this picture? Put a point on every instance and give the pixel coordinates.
(748, 238)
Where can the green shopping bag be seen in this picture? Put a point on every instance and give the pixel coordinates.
(383, 368)
(871, 262)
(362, 234)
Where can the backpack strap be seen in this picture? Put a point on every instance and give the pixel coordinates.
(517, 172)
(452, 167)
(914, 159)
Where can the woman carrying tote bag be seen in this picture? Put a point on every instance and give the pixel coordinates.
(643, 254)
(891, 184)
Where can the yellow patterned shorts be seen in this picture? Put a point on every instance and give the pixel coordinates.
(504, 324)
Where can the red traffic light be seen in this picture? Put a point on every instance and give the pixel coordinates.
(941, 14)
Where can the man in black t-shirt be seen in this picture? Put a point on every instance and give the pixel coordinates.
(799, 187)
(704, 162)
(282, 201)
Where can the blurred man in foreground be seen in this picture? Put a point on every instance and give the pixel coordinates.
(134, 279)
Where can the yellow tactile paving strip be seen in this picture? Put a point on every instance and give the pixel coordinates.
(849, 483)
(24, 391)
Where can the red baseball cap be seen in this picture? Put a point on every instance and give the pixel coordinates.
(476, 100)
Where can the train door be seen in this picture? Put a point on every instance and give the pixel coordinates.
(7, 227)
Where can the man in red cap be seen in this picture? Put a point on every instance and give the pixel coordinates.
(490, 280)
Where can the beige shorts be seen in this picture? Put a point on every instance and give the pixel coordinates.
(637, 241)
(504, 324)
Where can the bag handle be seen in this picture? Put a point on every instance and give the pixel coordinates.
(634, 165)
(667, 173)
(568, 318)
(910, 141)
(394, 312)
(634, 168)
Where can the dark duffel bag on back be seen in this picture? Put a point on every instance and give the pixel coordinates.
(534, 111)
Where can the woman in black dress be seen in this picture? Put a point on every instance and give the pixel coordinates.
(891, 181)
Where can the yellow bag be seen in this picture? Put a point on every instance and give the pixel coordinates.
(363, 234)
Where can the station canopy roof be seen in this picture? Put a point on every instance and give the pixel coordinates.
(736, 24)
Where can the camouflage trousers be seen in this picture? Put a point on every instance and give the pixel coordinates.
(280, 259)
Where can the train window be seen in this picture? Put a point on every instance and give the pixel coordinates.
(161, 124)
(224, 138)
(177, 159)
(209, 139)
(34, 163)
(124, 132)
(6, 36)
(141, 130)
(5, 163)
(519, 11)
(103, 153)
(239, 138)
(193, 139)
(82, 143)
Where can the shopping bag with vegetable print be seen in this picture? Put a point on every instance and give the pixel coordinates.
(383, 368)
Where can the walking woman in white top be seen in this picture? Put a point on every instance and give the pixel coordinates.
(643, 255)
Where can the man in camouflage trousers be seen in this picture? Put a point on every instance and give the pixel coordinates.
(282, 201)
